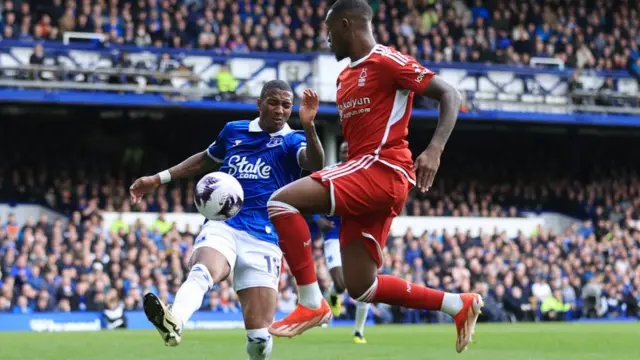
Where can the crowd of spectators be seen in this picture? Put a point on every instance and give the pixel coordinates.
(49, 265)
(591, 270)
(583, 34)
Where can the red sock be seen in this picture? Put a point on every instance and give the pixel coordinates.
(295, 241)
(396, 291)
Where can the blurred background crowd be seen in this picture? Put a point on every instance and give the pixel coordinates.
(590, 270)
(594, 34)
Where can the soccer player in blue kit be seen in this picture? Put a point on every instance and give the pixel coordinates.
(264, 155)
(329, 226)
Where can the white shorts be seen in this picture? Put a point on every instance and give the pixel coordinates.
(332, 253)
(254, 263)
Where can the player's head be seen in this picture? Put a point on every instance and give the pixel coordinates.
(275, 103)
(344, 151)
(347, 21)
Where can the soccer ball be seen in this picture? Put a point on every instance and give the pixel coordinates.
(218, 196)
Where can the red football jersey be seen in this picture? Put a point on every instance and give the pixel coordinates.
(374, 98)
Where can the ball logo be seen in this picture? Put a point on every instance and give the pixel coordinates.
(241, 168)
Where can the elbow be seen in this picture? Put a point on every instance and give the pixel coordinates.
(456, 97)
(318, 163)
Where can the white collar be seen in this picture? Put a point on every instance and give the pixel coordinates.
(361, 60)
(254, 126)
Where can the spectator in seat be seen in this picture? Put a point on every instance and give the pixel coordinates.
(22, 306)
(227, 83)
(553, 307)
(287, 301)
(515, 304)
(37, 59)
(594, 305)
(8, 32)
(540, 289)
(604, 93)
(67, 22)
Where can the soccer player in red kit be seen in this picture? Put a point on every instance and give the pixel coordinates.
(374, 97)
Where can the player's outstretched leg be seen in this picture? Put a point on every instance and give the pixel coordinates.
(286, 206)
(363, 283)
(208, 266)
(258, 309)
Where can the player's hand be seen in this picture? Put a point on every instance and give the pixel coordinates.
(325, 224)
(426, 167)
(309, 107)
(142, 187)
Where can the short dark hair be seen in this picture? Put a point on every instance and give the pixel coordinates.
(353, 8)
(275, 84)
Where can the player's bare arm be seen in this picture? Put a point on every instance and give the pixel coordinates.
(311, 158)
(450, 99)
(193, 165)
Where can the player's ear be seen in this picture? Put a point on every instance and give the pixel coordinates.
(259, 103)
(345, 23)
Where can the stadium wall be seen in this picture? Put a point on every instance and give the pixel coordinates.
(419, 224)
(24, 211)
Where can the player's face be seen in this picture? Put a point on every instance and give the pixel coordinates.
(275, 109)
(344, 151)
(339, 29)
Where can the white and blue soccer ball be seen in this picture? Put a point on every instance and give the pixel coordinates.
(219, 196)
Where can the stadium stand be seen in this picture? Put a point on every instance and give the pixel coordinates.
(534, 61)
(51, 266)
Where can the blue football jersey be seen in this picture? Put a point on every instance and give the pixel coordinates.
(262, 163)
(333, 233)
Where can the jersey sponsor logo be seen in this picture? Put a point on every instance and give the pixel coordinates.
(420, 71)
(241, 168)
(275, 141)
(353, 103)
(360, 105)
(236, 143)
(363, 77)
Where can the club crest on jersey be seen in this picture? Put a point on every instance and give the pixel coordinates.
(363, 77)
(275, 141)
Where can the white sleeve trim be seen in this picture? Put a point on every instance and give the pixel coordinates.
(213, 157)
(298, 155)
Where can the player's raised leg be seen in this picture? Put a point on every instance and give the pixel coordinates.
(213, 258)
(258, 309)
(361, 262)
(305, 196)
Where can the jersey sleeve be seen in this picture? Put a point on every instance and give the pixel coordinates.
(407, 72)
(218, 149)
(296, 142)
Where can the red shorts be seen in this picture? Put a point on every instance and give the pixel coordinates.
(367, 195)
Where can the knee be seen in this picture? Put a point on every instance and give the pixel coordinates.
(361, 291)
(259, 344)
(202, 275)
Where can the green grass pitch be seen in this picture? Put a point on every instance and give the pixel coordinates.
(492, 342)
